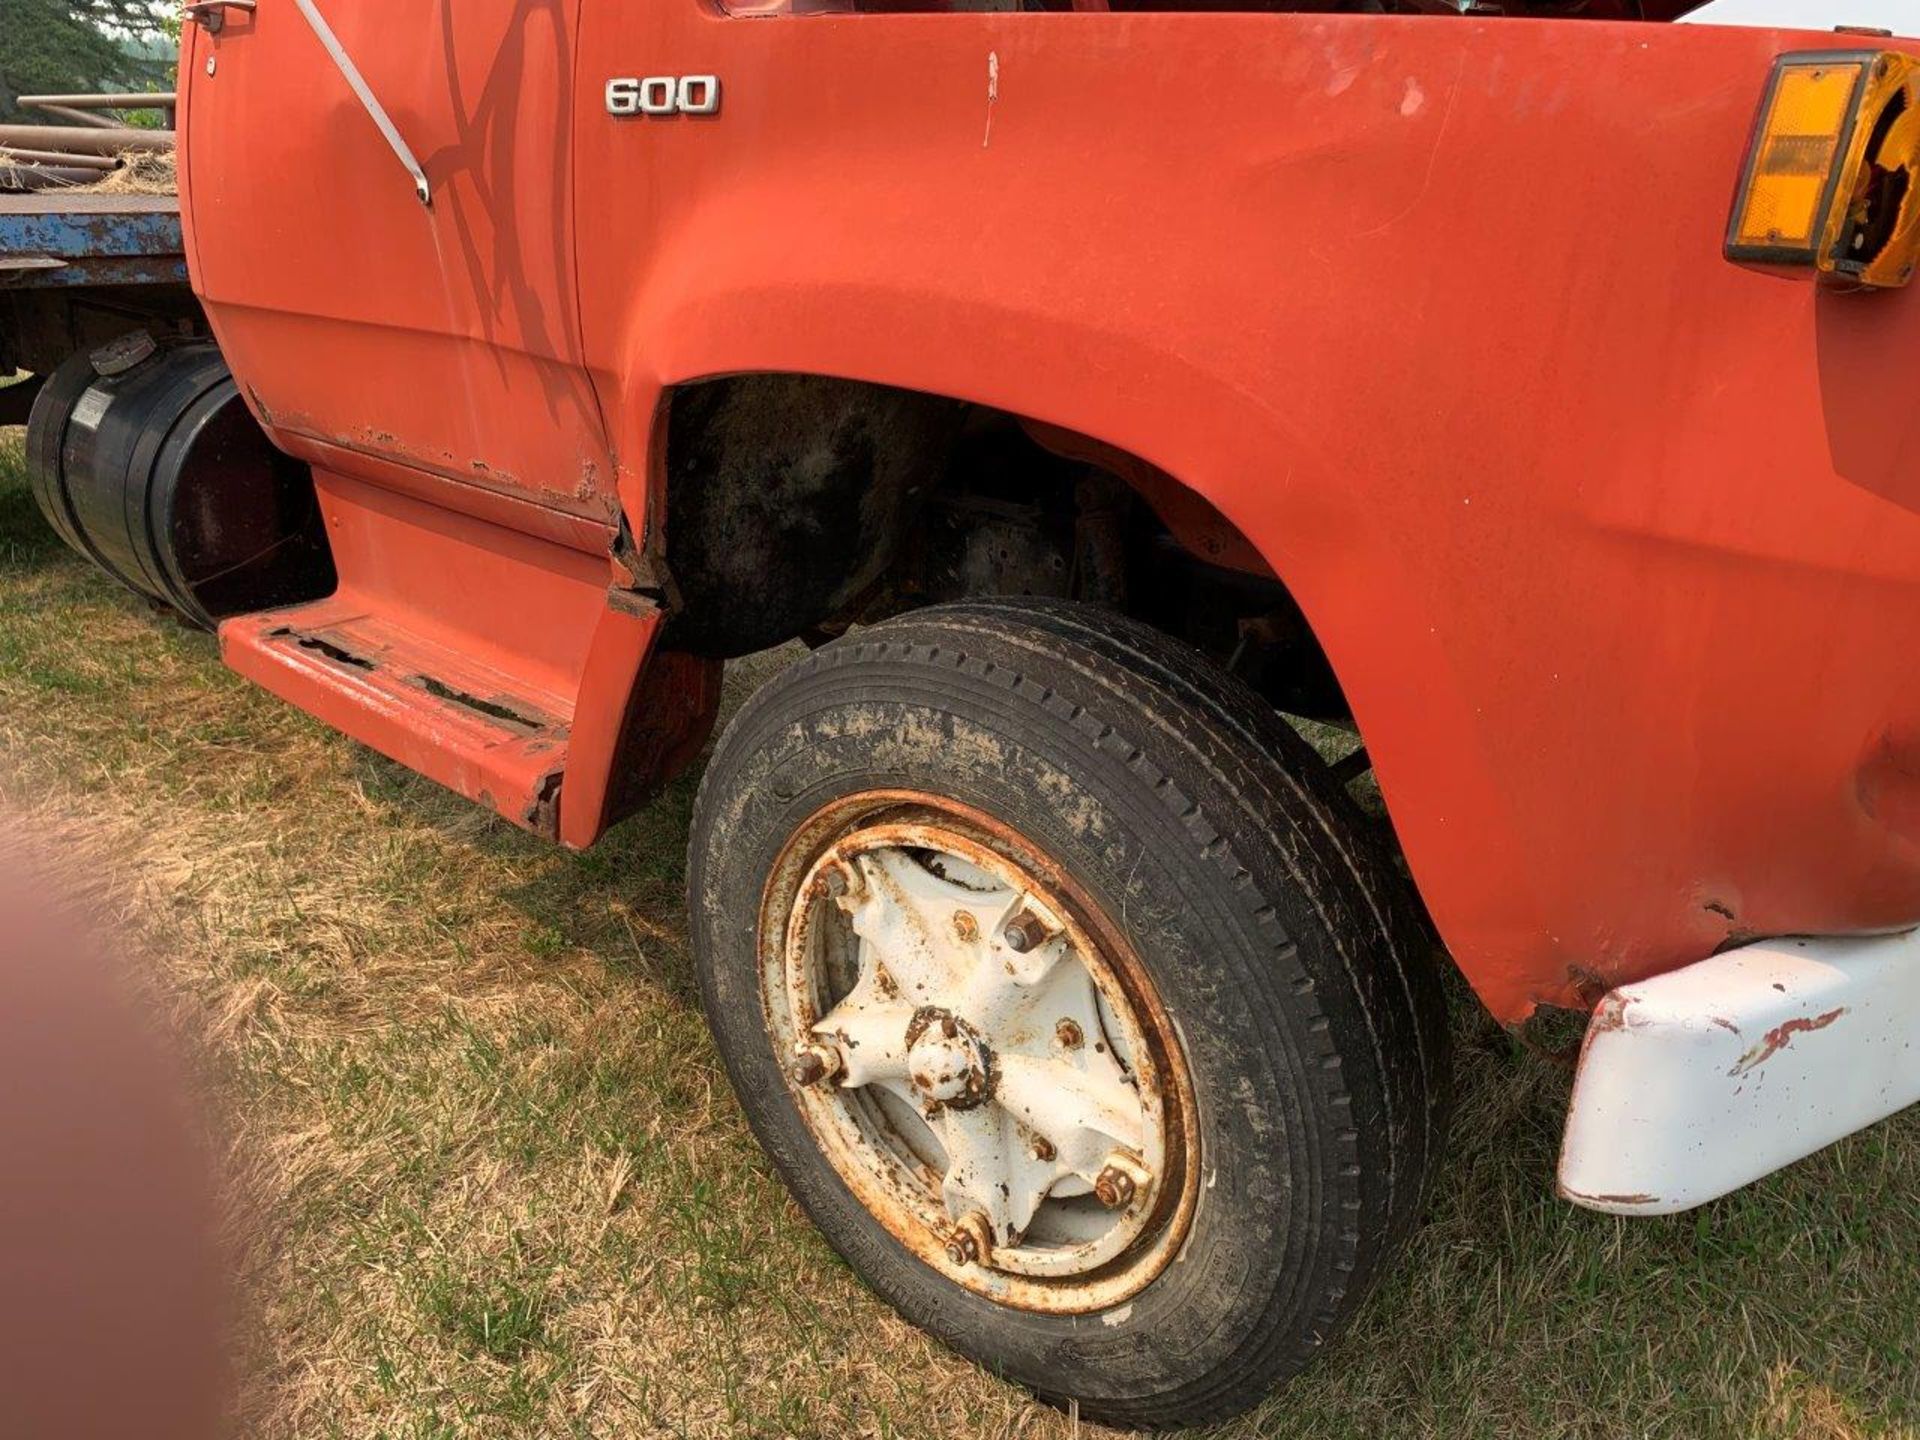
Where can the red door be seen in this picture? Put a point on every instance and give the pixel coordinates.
(444, 337)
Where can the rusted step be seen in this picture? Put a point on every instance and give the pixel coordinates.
(491, 736)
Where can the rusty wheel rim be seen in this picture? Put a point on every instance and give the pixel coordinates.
(978, 1052)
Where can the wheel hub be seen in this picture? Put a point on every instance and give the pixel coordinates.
(947, 1061)
(968, 1057)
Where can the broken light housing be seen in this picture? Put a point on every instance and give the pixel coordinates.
(1832, 177)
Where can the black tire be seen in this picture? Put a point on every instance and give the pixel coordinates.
(1271, 926)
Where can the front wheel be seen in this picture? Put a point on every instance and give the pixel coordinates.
(1071, 1000)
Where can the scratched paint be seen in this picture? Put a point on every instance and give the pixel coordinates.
(1781, 1036)
(993, 94)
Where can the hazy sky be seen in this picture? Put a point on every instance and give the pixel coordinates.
(1900, 16)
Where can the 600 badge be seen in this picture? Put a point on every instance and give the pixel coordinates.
(664, 95)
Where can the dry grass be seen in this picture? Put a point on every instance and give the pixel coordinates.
(141, 172)
(488, 1180)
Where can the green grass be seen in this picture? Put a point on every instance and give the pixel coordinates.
(489, 1181)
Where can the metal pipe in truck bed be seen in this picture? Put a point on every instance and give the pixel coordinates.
(15, 155)
(159, 101)
(35, 177)
(89, 141)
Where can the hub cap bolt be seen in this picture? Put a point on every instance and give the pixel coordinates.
(1067, 1032)
(1114, 1188)
(1042, 1148)
(1120, 1180)
(843, 880)
(1024, 932)
(814, 1066)
(969, 1244)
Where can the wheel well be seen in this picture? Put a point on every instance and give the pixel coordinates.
(800, 505)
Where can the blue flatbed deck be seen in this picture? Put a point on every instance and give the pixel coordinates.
(53, 239)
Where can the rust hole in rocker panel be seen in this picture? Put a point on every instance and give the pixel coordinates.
(492, 709)
(338, 654)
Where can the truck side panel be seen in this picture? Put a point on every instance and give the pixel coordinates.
(1614, 545)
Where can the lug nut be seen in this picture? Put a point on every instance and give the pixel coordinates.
(842, 879)
(814, 1066)
(1025, 931)
(1114, 1188)
(971, 1240)
(1120, 1180)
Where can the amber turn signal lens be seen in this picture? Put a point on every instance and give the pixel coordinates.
(1808, 116)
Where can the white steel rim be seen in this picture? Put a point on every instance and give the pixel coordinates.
(974, 1065)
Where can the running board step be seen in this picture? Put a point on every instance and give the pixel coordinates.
(487, 735)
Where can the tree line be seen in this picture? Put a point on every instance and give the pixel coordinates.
(60, 46)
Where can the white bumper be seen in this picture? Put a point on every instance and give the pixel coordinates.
(1696, 1082)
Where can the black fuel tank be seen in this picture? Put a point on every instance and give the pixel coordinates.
(147, 462)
